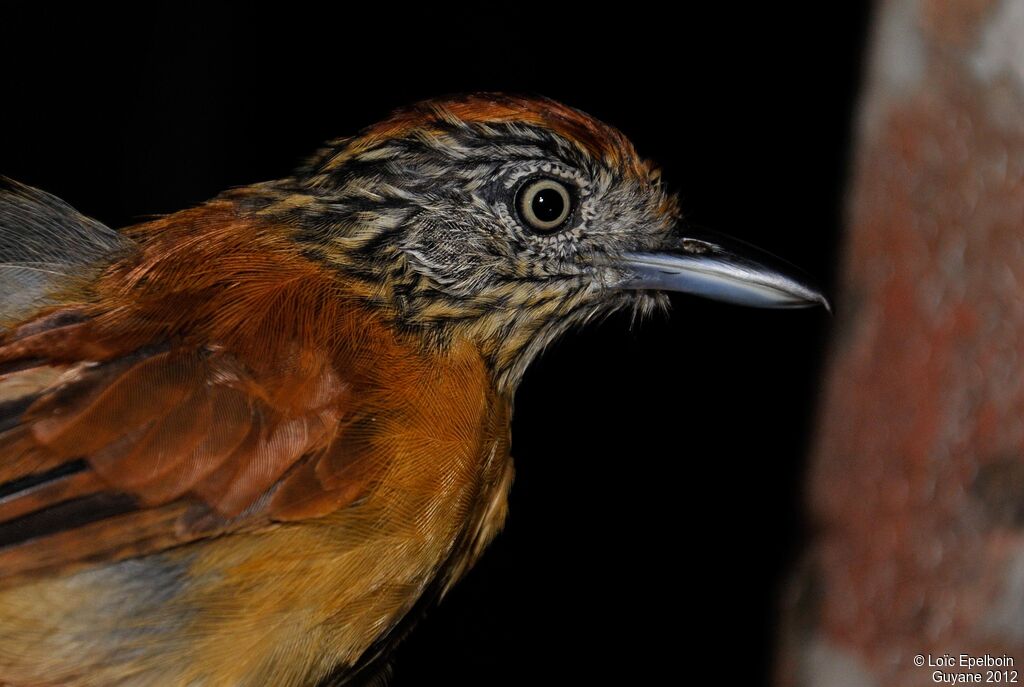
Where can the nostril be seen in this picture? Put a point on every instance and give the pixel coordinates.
(696, 247)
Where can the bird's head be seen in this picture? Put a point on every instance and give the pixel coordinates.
(507, 220)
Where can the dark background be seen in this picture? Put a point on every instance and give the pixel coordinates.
(658, 504)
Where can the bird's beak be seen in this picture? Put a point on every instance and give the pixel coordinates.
(723, 269)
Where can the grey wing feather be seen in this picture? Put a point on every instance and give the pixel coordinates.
(44, 243)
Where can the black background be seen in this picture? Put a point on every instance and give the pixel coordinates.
(658, 501)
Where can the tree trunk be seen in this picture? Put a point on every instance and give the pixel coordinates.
(917, 480)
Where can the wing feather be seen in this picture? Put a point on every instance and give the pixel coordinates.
(156, 428)
(204, 381)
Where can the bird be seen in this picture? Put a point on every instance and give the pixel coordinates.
(252, 441)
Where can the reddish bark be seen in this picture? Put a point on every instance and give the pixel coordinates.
(917, 482)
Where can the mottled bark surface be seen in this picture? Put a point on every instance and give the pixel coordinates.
(917, 481)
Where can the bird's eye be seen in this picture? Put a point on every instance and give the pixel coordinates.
(544, 204)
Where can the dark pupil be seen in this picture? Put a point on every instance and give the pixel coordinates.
(547, 205)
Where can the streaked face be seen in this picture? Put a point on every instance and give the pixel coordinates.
(521, 217)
